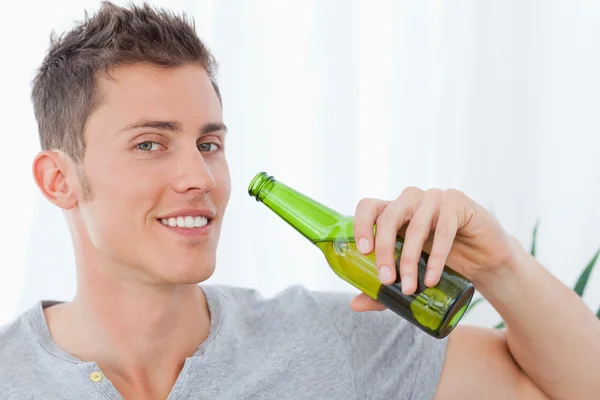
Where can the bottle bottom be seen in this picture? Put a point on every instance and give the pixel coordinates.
(440, 326)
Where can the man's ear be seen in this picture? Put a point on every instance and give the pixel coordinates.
(53, 173)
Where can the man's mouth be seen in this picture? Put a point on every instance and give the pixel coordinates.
(185, 221)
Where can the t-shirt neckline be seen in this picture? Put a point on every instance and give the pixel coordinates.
(41, 330)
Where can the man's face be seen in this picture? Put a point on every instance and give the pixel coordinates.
(156, 170)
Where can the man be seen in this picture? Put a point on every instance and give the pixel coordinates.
(133, 140)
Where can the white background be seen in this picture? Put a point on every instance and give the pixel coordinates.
(343, 100)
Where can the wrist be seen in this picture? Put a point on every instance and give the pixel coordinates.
(505, 279)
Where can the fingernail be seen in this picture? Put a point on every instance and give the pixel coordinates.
(363, 245)
(406, 282)
(385, 274)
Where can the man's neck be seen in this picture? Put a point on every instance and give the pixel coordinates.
(139, 335)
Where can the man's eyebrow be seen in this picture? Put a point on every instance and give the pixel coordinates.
(174, 126)
(213, 127)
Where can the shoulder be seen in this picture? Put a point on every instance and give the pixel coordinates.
(299, 310)
(368, 345)
(17, 353)
(293, 312)
(294, 300)
(25, 343)
(14, 338)
(29, 366)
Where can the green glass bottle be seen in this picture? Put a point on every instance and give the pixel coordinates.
(436, 310)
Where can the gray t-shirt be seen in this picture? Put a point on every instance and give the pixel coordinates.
(299, 344)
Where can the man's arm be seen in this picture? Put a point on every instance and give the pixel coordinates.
(552, 344)
(551, 348)
(479, 365)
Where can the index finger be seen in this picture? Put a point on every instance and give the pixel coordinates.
(367, 211)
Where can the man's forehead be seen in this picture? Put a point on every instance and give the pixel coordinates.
(166, 99)
(147, 94)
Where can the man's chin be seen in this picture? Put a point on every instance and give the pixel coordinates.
(188, 276)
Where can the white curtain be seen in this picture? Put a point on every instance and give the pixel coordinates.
(349, 99)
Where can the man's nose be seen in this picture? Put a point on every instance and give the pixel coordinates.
(194, 173)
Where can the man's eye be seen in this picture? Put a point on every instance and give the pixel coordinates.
(208, 147)
(148, 146)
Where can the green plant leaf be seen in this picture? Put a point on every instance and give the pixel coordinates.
(598, 314)
(534, 239)
(585, 275)
(500, 325)
(473, 304)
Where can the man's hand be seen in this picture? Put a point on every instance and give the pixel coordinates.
(551, 348)
(452, 228)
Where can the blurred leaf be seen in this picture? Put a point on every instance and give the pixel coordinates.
(598, 314)
(473, 304)
(500, 325)
(534, 239)
(585, 275)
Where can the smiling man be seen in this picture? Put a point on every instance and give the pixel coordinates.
(133, 152)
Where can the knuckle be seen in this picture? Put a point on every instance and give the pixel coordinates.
(364, 212)
(453, 195)
(434, 193)
(410, 199)
(406, 261)
(407, 266)
(367, 207)
(411, 192)
(365, 202)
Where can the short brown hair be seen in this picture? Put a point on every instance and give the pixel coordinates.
(64, 90)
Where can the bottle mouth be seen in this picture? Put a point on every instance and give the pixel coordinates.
(260, 186)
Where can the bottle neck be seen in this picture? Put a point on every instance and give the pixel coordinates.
(310, 218)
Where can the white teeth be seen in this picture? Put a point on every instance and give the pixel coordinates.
(185, 222)
(199, 222)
